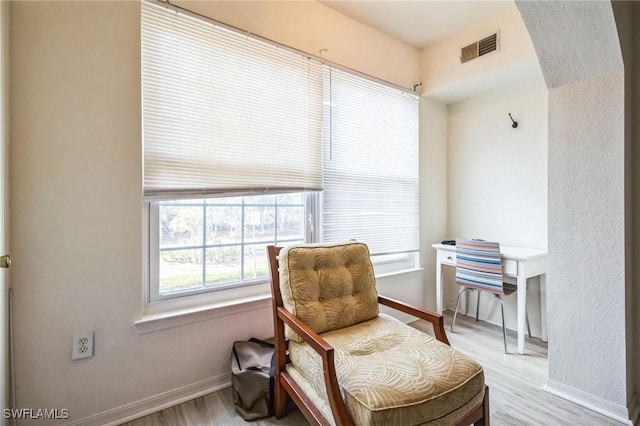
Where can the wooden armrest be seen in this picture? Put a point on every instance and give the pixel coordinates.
(326, 352)
(311, 337)
(435, 319)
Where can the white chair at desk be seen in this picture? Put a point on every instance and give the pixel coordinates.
(520, 263)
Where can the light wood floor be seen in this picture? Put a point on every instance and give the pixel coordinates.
(515, 383)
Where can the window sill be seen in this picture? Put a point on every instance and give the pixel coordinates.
(398, 274)
(150, 323)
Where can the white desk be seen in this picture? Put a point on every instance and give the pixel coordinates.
(521, 263)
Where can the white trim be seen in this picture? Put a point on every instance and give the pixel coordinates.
(609, 409)
(152, 243)
(153, 404)
(399, 274)
(162, 321)
(146, 276)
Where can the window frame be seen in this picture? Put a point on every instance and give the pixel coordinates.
(153, 295)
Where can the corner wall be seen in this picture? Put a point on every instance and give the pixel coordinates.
(586, 237)
(587, 230)
(433, 189)
(627, 13)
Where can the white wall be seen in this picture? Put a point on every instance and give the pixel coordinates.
(433, 188)
(311, 26)
(497, 178)
(76, 179)
(586, 237)
(443, 76)
(587, 234)
(630, 42)
(76, 185)
(626, 15)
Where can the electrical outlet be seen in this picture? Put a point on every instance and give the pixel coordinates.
(82, 345)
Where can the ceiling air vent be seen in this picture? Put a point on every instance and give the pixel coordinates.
(479, 48)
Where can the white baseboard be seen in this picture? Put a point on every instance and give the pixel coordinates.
(155, 403)
(616, 412)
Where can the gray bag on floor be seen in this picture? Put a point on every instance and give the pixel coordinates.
(252, 378)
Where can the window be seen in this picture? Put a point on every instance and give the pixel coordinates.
(248, 144)
(370, 165)
(224, 113)
(218, 243)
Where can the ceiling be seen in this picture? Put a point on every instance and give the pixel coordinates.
(417, 23)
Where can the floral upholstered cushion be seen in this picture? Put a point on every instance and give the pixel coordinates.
(328, 287)
(392, 374)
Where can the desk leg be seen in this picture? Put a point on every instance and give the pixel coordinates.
(522, 303)
(544, 319)
(439, 291)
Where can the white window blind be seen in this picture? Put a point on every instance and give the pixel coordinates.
(370, 164)
(224, 112)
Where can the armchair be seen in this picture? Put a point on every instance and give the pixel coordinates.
(344, 363)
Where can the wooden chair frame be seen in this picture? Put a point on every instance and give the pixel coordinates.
(283, 383)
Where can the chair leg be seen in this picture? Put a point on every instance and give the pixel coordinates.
(478, 305)
(280, 400)
(485, 420)
(455, 313)
(526, 315)
(504, 330)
